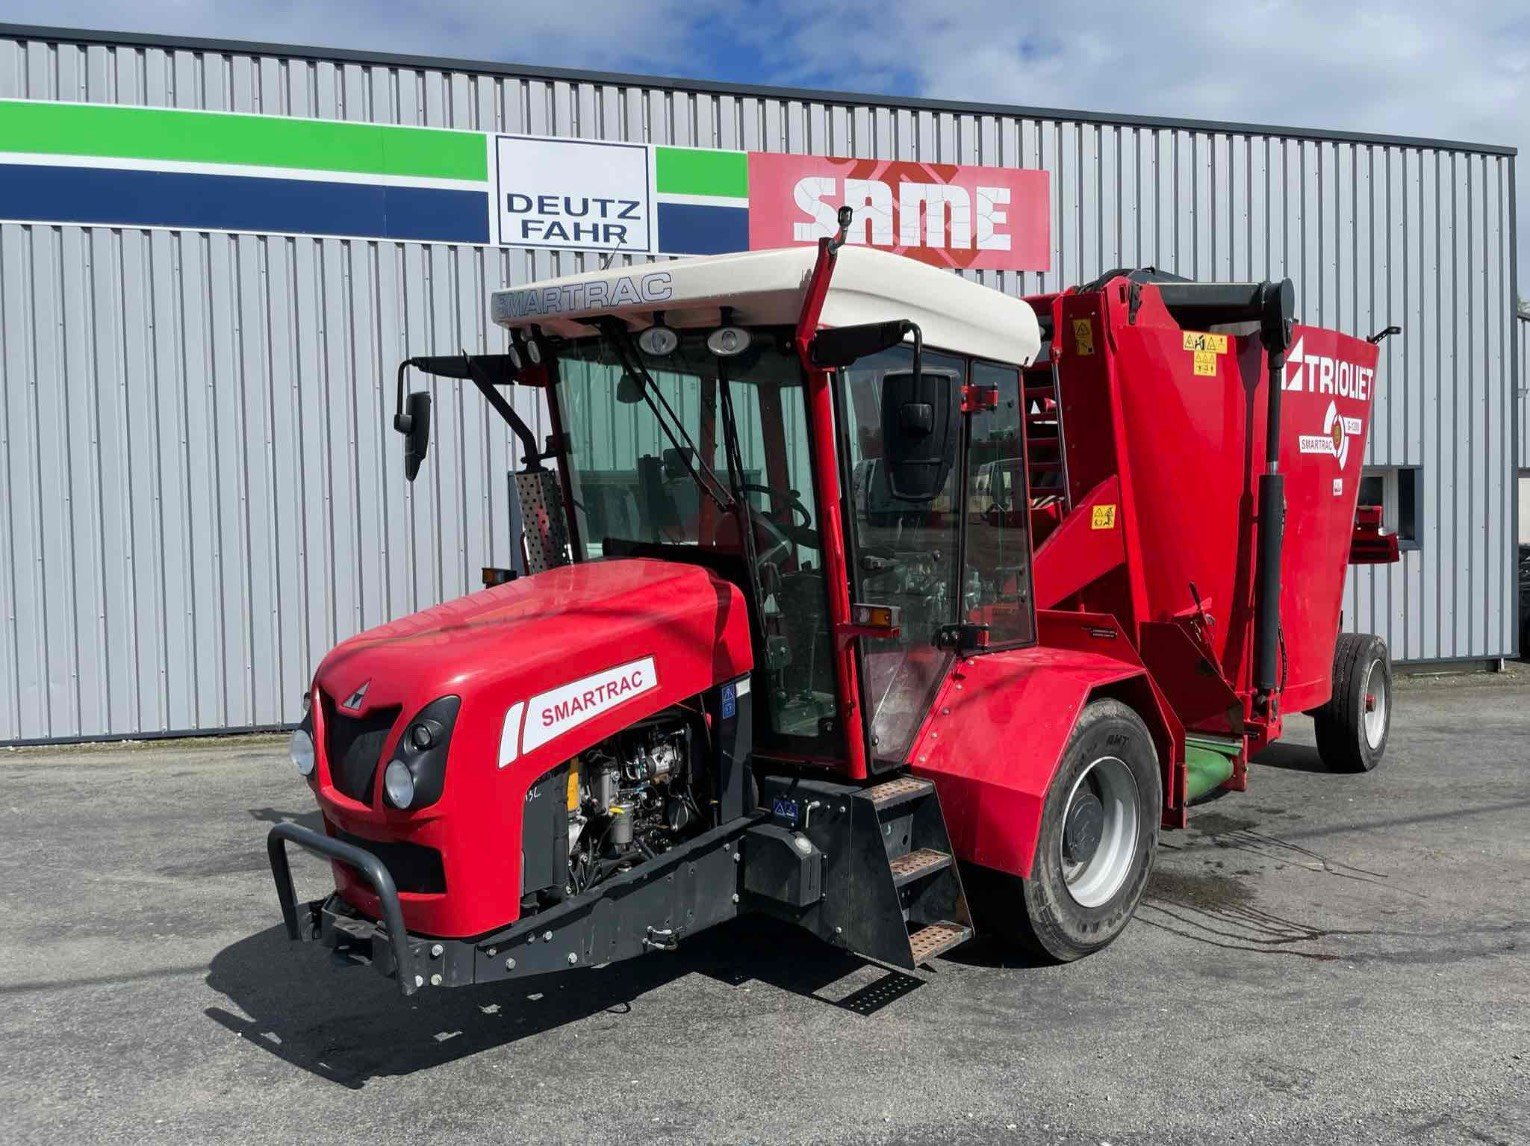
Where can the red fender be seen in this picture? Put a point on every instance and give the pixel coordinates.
(997, 732)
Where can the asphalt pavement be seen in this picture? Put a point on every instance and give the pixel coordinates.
(1323, 958)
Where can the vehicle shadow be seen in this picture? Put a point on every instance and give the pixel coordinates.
(309, 819)
(349, 1025)
(1291, 757)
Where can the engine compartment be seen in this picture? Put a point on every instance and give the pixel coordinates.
(637, 794)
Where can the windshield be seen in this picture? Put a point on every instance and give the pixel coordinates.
(640, 487)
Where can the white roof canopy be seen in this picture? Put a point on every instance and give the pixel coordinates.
(766, 288)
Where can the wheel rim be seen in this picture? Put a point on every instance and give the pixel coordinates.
(1093, 879)
(1373, 695)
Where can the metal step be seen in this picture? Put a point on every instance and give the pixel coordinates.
(917, 864)
(899, 791)
(935, 940)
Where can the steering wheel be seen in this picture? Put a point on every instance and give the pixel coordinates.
(788, 534)
(792, 498)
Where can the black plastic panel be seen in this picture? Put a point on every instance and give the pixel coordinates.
(353, 747)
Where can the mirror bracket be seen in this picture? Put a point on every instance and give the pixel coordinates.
(839, 346)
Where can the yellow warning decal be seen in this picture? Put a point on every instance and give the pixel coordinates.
(1104, 517)
(1209, 343)
(1083, 336)
(1206, 363)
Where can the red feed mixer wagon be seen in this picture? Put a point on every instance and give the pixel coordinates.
(855, 592)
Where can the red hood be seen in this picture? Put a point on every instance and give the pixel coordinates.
(532, 629)
(632, 636)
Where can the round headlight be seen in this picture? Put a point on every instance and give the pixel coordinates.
(399, 783)
(300, 748)
(658, 341)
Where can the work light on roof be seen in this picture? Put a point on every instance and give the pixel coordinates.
(658, 341)
(728, 341)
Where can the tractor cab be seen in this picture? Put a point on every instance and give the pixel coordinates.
(713, 411)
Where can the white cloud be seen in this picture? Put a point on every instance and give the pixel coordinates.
(1457, 71)
(1409, 67)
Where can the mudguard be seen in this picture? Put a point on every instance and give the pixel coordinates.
(997, 731)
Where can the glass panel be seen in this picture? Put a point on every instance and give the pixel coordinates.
(632, 487)
(905, 555)
(996, 585)
(774, 454)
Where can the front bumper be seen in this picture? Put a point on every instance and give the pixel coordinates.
(316, 920)
(651, 907)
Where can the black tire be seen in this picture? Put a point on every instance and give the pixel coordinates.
(1041, 915)
(1362, 679)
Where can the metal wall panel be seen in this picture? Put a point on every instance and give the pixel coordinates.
(204, 496)
(1523, 390)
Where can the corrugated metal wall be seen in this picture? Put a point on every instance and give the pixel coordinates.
(1524, 392)
(203, 495)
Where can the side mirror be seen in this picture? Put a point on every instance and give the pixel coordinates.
(919, 432)
(844, 345)
(415, 425)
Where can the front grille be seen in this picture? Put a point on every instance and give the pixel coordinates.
(414, 867)
(353, 747)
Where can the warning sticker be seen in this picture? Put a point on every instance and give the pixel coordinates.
(1104, 517)
(1083, 336)
(1210, 343)
(1206, 348)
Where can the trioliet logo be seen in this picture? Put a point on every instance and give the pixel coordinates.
(532, 723)
(1319, 374)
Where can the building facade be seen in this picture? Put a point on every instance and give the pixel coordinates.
(1521, 392)
(203, 493)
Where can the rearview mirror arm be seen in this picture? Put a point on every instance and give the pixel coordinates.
(401, 420)
(530, 454)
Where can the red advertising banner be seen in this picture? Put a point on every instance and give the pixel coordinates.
(971, 218)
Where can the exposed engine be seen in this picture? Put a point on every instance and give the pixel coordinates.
(639, 795)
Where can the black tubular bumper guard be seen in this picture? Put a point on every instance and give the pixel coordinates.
(367, 865)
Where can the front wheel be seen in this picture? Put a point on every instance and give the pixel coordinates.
(1352, 727)
(1095, 849)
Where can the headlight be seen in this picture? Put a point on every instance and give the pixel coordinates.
(416, 775)
(300, 748)
(398, 781)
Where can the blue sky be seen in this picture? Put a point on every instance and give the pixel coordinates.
(1458, 71)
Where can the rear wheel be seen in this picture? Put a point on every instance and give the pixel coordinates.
(1094, 852)
(1352, 727)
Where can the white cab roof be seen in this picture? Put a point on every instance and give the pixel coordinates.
(766, 288)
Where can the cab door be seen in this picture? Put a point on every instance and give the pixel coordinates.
(961, 559)
(900, 553)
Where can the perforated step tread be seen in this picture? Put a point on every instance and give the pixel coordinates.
(899, 791)
(917, 864)
(936, 939)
